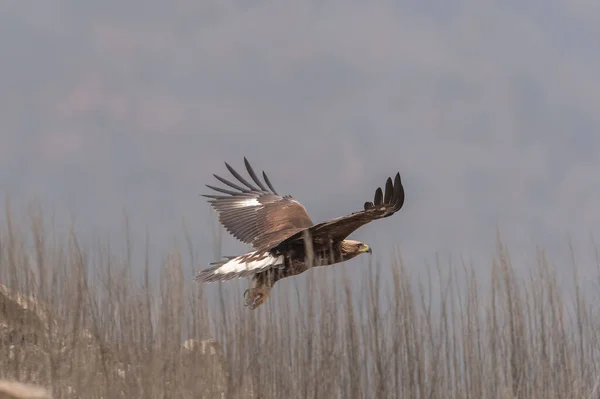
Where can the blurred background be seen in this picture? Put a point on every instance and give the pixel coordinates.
(489, 110)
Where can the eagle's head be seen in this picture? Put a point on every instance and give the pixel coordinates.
(352, 248)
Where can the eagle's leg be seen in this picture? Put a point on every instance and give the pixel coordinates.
(257, 295)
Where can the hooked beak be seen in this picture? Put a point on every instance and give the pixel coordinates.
(366, 249)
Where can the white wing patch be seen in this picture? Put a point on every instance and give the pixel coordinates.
(240, 266)
(249, 262)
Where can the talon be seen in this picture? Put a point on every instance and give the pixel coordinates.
(255, 302)
(246, 297)
(253, 299)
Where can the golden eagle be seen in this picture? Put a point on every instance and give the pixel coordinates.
(276, 226)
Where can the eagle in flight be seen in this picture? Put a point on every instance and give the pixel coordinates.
(285, 240)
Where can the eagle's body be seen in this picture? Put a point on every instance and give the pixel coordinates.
(286, 241)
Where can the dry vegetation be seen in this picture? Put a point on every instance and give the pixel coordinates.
(79, 322)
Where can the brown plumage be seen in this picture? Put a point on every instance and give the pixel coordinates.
(276, 226)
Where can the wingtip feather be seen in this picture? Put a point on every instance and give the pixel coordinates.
(240, 178)
(398, 191)
(389, 191)
(378, 196)
(253, 175)
(269, 183)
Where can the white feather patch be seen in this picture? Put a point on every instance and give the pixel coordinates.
(249, 261)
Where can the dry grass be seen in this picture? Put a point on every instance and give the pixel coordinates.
(103, 331)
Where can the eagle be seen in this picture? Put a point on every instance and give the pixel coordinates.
(285, 241)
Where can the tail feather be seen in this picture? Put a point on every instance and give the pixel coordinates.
(239, 266)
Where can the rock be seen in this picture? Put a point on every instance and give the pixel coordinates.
(34, 342)
(17, 390)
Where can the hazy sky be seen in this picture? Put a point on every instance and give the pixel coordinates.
(490, 111)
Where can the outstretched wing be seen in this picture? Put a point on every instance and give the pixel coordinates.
(257, 215)
(383, 205)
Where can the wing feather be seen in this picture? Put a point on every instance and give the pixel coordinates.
(230, 184)
(378, 200)
(221, 190)
(269, 183)
(389, 191)
(257, 215)
(240, 178)
(253, 175)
